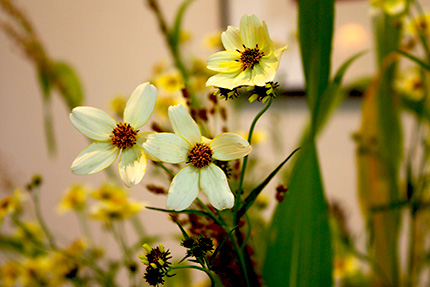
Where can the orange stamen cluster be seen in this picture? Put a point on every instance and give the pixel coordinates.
(250, 57)
(123, 135)
(200, 155)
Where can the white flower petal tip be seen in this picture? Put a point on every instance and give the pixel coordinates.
(229, 146)
(183, 124)
(184, 189)
(140, 105)
(93, 123)
(213, 182)
(132, 165)
(96, 157)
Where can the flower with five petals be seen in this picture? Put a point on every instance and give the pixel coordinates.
(189, 146)
(250, 58)
(111, 137)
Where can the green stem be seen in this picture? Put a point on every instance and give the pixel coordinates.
(35, 197)
(198, 268)
(84, 226)
(138, 226)
(165, 168)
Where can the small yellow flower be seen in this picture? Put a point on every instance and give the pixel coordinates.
(9, 274)
(410, 83)
(118, 104)
(37, 272)
(116, 210)
(170, 81)
(73, 199)
(250, 58)
(213, 41)
(110, 192)
(11, 204)
(420, 25)
(344, 266)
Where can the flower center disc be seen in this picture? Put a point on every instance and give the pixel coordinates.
(250, 57)
(200, 155)
(123, 136)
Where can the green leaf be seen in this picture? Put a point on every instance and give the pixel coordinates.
(184, 233)
(175, 35)
(414, 59)
(315, 35)
(299, 249)
(249, 200)
(332, 97)
(186, 211)
(68, 84)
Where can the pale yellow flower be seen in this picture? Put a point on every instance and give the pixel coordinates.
(117, 104)
(250, 58)
(419, 25)
(188, 145)
(73, 199)
(410, 83)
(9, 274)
(109, 192)
(344, 266)
(111, 137)
(116, 210)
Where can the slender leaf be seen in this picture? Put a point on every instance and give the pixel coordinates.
(249, 200)
(186, 211)
(299, 249)
(175, 35)
(414, 59)
(67, 82)
(184, 233)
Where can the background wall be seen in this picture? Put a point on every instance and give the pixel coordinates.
(113, 46)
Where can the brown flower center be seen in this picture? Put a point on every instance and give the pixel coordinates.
(200, 155)
(123, 135)
(250, 57)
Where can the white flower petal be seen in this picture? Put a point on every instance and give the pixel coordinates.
(263, 73)
(231, 39)
(250, 31)
(94, 123)
(183, 124)
(132, 165)
(96, 157)
(214, 184)
(184, 189)
(167, 147)
(141, 139)
(140, 105)
(229, 146)
(225, 62)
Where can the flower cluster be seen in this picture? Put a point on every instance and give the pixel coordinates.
(157, 262)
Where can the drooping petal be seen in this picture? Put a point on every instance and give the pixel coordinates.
(229, 146)
(132, 165)
(231, 39)
(141, 139)
(96, 157)
(224, 62)
(262, 73)
(250, 31)
(167, 147)
(184, 125)
(214, 184)
(140, 105)
(184, 189)
(94, 123)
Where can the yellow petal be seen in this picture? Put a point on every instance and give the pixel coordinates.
(229, 146)
(231, 39)
(225, 62)
(132, 165)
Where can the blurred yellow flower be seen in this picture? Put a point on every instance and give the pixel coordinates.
(11, 203)
(419, 25)
(116, 210)
(110, 192)
(73, 199)
(391, 7)
(37, 272)
(9, 274)
(170, 81)
(344, 266)
(258, 136)
(410, 84)
(117, 104)
(213, 40)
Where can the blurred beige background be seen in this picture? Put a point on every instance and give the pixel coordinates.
(113, 46)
